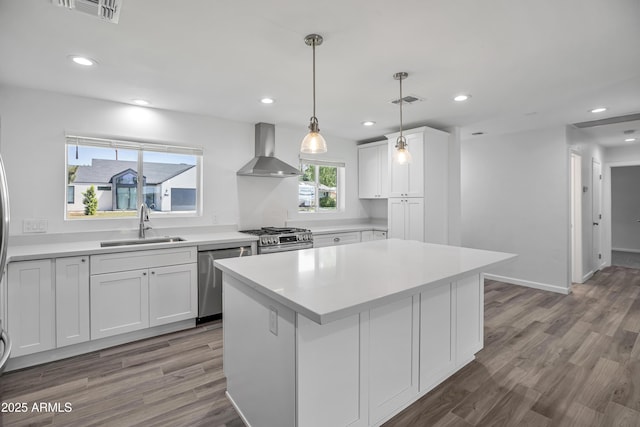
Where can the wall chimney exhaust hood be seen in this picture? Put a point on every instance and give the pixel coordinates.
(264, 163)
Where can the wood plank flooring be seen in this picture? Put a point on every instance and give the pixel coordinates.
(549, 360)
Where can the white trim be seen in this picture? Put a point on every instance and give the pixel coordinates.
(588, 276)
(529, 284)
(235, 406)
(635, 251)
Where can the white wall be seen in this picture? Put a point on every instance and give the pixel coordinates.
(33, 128)
(625, 208)
(515, 198)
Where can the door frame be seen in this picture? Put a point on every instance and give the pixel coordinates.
(598, 258)
(606, 242)
(576, 217)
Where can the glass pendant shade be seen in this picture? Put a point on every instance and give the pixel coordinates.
(313, 143)
(401, 155)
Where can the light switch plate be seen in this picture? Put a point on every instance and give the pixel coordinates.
(33, 225)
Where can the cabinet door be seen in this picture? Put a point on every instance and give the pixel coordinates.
(396, 218)
(366, 235)
(72, 300)
(437, 335)
(368, 172)
(173, 294)
(119, 303)
(383, 166)
(469, 318)
(407, 180)
(30, 309)
(393, 357)
(379, 235)
(414, 219)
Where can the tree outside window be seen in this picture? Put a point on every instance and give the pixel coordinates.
(318, 188)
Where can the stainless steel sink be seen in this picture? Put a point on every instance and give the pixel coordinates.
(145, 241)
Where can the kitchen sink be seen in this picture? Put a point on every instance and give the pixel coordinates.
(145, 241)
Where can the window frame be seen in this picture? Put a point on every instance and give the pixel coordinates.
(340, 186)
(140, 147)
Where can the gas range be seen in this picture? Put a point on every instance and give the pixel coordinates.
(281, 239)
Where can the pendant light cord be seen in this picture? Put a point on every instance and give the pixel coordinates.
(400, 105)
(314, 78)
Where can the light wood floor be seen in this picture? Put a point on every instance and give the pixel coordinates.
(549, 360)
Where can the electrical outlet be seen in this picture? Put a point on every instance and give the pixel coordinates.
(273, 320)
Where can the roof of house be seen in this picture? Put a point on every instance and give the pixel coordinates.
(101, 171)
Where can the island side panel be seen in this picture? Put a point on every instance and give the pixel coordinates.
(469, 296)
(259, 364)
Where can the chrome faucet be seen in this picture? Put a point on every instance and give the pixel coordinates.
(144, 216)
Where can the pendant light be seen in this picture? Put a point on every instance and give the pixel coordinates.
(401, 155)
(314, 142)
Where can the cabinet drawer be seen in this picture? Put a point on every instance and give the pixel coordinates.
(134, 260)
(334, 239)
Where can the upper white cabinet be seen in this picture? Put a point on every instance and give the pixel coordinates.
(407, 180)
(373, 170)
(31, 320)
(72, 300)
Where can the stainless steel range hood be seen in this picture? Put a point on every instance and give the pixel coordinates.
(264, 163)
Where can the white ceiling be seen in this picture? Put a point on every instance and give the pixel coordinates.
(526, 64)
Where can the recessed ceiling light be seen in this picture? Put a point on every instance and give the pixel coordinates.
(368, 123)
(141, 102)
(83, 60)
(599, 110)
(461, 98)
(630, 140)
(267, 100)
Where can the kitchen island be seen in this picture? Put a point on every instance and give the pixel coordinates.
(349, 335)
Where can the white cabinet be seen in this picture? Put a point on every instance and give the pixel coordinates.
(173, 294)
(72, 300)
(407, 180)
(425, 177)
(137, 290)
(406, 218)
(373, 170)
(334, 239)
(31, 320)
(379, 235)
(368, 235)
(119, 303)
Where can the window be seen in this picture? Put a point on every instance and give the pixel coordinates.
(111, 179)
(320, 187)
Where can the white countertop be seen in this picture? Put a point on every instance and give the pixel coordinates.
(91, 247)
(326, 284)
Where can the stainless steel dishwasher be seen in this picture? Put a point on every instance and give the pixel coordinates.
(210, 279)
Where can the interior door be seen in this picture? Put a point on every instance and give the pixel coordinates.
(596, 213)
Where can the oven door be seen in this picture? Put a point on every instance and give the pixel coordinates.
(284, 248)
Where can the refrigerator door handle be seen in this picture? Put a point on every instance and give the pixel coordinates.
(4, 217)
(7, 350)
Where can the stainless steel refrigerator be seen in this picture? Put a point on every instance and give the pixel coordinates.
(5, 343)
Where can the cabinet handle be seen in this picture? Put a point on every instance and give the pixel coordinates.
(83, 260)
(153, 272)
(144, 273)
(337, 239)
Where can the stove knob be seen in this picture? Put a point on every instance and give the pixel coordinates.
(263, 241)
(274, 240)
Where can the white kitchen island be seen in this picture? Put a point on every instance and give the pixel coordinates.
(348, 335)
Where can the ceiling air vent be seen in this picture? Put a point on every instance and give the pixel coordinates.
(109, 10)
(407, 100)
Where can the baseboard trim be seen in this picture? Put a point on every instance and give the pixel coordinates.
(237, 408)
(529, 284)
(634, 251)
(588, 276)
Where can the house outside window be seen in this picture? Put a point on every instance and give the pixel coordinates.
(321, 186)
(122, 175)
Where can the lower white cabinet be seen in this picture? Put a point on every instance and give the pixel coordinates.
(119, 303)
(173, 294)
(156, 288)
(406, 218)
(334, 239)
(469, 317)
(31, 319)
(72, 300)
(369, 235)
